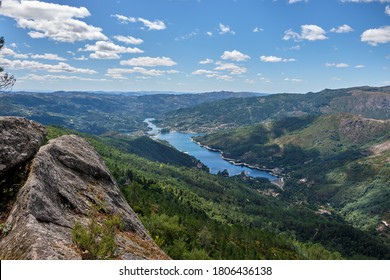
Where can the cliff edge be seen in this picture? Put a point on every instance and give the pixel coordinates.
(69, 184)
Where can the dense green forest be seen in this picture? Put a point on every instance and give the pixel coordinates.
(99, 113)
(332, 149)
(341, 159)
(192, 214)
(371, 102)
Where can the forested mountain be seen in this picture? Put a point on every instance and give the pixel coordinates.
(364, 101)
(331, 150)
(192, 214)
(341, 159)
(103, 112)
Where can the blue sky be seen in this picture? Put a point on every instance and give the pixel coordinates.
(196, 45)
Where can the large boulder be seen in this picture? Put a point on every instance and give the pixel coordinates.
(20, 139)
(68, 181)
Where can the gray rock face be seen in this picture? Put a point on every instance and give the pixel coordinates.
(67, 181)
(20, 139)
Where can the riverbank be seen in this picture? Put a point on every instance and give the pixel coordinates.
(279, 181)
(210, 157)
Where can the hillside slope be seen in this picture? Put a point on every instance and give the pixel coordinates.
(368, 102)
(341, 159)
(192, 214)
(100, 113)
(69, 207)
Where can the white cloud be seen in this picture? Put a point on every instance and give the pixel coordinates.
(104, 55)
(387, 10)
(312, 32)
(337, 65)
(376, 36)
(129, 40)
(295, 1)
(295, 48)
(235, 55)
(293, 80)
(309, 32)
(231, 67)
(203, 72)
(53, 21)
(224, 29)
(215, 74)
(118, 73)
(209, 33)
(206, 61)
(226, 78)
(345, 28)
(124, 19)
(257, 29)
(48, 56)
(263, 79)
(9, 52)
(81, 58)
(360, 66)
(149, 61)
(151, 25)
(275, 59)
(187, 36)
(108, 50)
(34, 65)
(49, 78)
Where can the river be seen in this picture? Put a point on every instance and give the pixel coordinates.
(214, 161)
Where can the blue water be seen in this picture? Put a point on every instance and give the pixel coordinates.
(213, 160)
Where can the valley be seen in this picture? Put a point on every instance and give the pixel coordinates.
(330, 150)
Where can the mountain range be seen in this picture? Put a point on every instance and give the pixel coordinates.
(330, 149)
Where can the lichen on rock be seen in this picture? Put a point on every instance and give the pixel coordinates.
(20, 139)
(67, 181)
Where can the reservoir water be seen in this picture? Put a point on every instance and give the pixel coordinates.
(183, 142)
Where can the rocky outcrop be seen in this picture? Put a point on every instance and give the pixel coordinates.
(359, 130)
(68, 181)
(20, 139)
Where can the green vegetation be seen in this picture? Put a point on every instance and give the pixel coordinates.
(192, 214)
(99, 113)
(334, 203)
(156, 151)
(339, 159)
(96, 241)
(234, 112)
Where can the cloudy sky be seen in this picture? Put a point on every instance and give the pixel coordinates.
(196, 45)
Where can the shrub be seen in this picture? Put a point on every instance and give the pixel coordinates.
(97, 241)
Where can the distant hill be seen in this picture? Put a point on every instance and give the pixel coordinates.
(371, 102)
(145, 147)
(98, 113)
(340, 158)
(330, 133)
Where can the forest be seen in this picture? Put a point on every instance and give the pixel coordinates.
(192, 214)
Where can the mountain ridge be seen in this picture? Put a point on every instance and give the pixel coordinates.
(338, 158)
(372, 102)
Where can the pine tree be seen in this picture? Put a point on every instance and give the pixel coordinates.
(6, 80)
